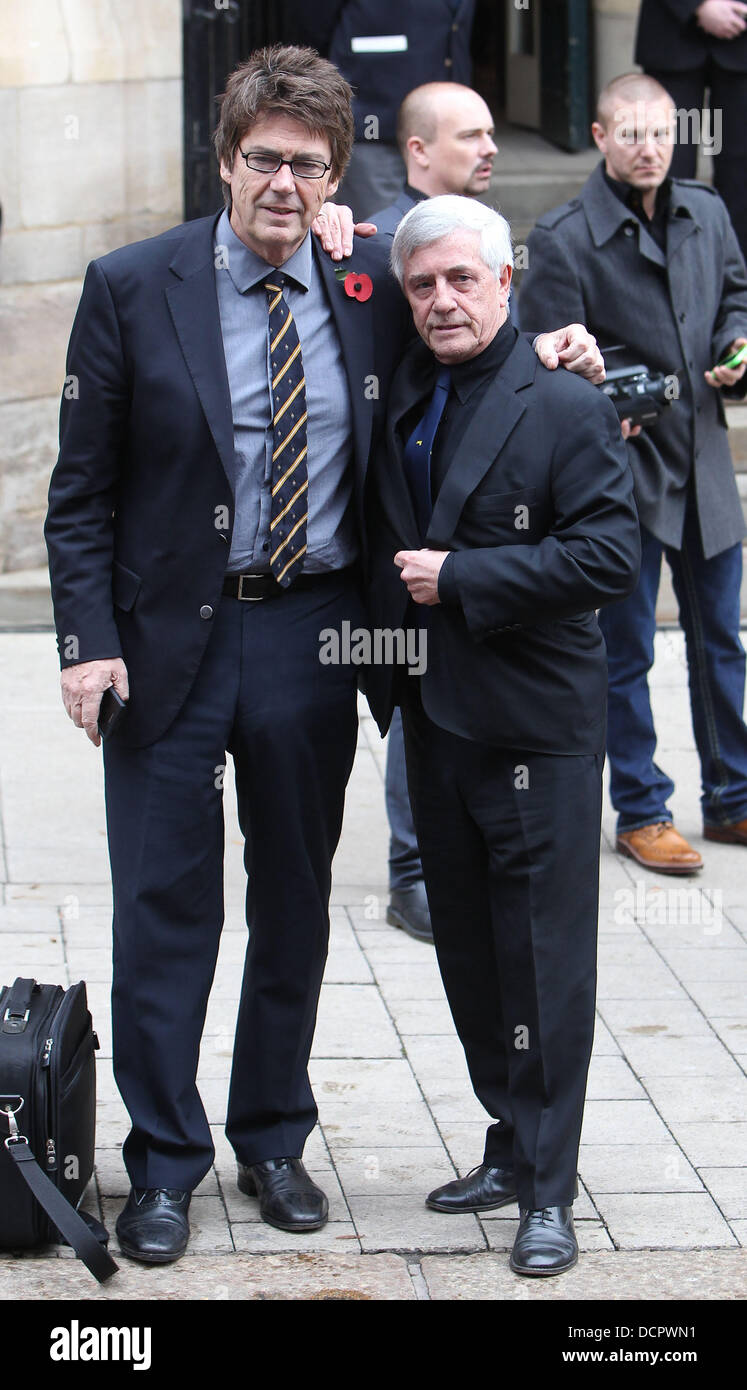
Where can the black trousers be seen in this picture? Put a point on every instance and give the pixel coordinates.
(728, 97)
(290, 724)
(510, 849)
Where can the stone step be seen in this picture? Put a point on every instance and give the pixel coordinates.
(531, 176)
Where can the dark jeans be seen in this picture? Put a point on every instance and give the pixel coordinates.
(708, 596)
(405, 868)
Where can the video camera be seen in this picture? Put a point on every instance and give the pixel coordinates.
(636, 393)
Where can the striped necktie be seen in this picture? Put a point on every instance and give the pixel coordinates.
(290, 479)
(418, 449)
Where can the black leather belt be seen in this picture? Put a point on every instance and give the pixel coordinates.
(252, 588)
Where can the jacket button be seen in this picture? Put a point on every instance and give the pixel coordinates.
(628, 230)
(447, 62)
(206, 611)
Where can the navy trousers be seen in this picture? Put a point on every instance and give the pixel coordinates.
(510, 848)
(290, 724)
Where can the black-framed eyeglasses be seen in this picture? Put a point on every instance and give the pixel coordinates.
(266, 163)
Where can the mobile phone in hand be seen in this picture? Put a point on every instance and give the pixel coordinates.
(111, 710)
(732, 359)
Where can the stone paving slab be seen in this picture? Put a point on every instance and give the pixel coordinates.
(638, 1168)
(603, 1276)
(664, 1220)
(289, 1276)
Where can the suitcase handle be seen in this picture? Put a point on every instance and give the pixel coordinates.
(18, 1005)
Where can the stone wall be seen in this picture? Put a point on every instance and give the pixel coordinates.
(614, 26)
(90, 159)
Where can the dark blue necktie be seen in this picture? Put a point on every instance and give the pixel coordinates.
(419, 448)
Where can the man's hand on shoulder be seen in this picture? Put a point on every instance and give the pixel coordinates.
(573, 347)
(725, 19)
(82, 688)
(420, 571)
(728, 376)
(334, 227)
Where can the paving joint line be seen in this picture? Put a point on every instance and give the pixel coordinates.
(416, 1079)
(419, 1283)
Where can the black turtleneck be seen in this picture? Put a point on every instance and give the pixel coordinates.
(469, 382)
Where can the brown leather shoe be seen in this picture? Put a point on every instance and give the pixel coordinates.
(659, 847)
(733, 834)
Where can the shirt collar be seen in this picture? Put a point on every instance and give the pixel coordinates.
(414, 193)
(247, 269)
(606, 211)
(633, 198)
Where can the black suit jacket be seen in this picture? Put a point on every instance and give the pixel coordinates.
(537, 503)
(669, 39)
(140, 502)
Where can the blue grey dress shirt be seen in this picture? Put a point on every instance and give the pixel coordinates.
(242, 303)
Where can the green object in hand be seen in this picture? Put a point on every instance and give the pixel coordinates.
(734, 360)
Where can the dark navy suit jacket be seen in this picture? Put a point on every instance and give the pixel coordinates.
(438, 49)
(140, 503)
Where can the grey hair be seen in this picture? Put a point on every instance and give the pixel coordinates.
(434, 218)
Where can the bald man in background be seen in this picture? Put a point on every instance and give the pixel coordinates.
(445, 137)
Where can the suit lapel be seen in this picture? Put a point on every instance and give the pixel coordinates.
(353, 320)
(193, 305)
(496, 415)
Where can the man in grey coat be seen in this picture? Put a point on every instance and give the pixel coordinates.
(653, 264)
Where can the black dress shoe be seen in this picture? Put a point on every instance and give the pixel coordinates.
(153, 1225)
(288, 1198)
(408, 909)
(545, 1242)
(482, 1190)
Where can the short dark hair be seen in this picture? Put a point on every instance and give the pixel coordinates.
(294, 82)
(628, 87)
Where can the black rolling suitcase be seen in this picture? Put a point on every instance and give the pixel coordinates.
(47, 1120)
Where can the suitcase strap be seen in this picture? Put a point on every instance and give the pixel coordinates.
(67, 1220)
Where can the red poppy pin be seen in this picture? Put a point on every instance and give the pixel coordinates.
(355, 285)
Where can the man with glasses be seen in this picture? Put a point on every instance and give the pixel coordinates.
(203, 530)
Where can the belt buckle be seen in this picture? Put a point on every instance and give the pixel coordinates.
(249, 598)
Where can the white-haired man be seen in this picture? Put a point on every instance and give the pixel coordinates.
(501, 516)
